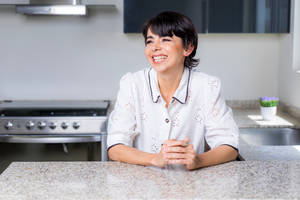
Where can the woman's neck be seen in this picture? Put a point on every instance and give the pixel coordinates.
(168, 83)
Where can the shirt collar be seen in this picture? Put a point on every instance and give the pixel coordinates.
(180, 94)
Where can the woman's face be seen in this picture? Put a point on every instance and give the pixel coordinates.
(164, 53)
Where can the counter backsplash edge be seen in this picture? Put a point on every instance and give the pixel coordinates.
(254, 104)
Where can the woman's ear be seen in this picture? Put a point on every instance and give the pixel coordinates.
(188, 51)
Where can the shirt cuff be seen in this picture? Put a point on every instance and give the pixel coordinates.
(114, 139)
(113, 146)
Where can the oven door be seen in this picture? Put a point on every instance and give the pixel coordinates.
(51, 148)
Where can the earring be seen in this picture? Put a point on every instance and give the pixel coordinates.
(185, 52)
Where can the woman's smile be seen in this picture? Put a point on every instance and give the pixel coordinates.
(157, 59)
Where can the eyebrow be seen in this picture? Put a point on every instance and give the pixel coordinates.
(149, 37)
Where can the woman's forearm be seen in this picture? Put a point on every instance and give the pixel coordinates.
(123, 153)
(216, 156)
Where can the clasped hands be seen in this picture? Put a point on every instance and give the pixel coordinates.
(177, 152)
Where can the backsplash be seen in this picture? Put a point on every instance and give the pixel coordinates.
(291, 110)
(243, 104)
(254, 104)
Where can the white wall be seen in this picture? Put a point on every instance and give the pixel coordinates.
(296, 36)
(246, 63)
(84, 57)
(289, 80)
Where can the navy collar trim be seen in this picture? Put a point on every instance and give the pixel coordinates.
(155, 95)
(155, 100)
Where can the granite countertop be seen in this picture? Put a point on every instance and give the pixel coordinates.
(113, 180)
(251, 118)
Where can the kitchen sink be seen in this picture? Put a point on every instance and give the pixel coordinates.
(270, 136)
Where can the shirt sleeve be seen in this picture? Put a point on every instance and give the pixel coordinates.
(122, 121)
(220, 126)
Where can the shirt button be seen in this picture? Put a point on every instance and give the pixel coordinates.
(167, 120)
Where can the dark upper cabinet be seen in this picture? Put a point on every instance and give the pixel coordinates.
(248, 16)
(215, 16)
(136, 12)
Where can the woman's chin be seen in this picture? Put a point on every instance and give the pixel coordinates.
(160, 68)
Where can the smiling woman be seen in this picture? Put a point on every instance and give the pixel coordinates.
(165, 113)
(170, 46)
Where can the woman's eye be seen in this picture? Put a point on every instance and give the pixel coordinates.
(148, 41)
(166, 40)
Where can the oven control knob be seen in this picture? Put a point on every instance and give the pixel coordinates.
(64, 125)
(42, 125)
(29, 125)
(9, 125)
(52, 125)
(76, 125)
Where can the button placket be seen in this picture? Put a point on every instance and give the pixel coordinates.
(165, 127)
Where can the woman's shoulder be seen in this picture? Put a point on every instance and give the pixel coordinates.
(201, 77)
(135, 76)
(135, 80)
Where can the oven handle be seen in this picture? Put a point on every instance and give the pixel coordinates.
(49, 138)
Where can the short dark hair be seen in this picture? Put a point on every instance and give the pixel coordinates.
(169, 23)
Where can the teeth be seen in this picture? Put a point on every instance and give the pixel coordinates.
(159, 58)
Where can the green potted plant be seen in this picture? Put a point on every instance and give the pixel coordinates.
(268, 107)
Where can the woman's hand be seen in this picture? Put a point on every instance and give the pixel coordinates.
(177, 152)
(160, 159)
(181, 152)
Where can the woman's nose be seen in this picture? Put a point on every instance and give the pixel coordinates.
(156, 45)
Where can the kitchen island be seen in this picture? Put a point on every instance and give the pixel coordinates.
(113, 180)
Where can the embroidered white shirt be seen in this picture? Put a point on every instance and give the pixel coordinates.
(197, 110)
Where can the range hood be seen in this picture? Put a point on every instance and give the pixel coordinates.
(52, 7)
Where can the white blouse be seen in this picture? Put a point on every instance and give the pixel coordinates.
(197, 110)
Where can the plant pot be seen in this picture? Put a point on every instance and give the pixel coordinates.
(268, 113)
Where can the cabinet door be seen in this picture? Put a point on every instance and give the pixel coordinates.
(215, 16)
(248, 16)
(136, 12)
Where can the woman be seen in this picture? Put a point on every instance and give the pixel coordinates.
(164, 114)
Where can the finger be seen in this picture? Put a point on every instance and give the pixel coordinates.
(190, 147)
(164, 149)
(176, 149)
(176, 143)
(175, 155)
(190, 152)
(168, 141)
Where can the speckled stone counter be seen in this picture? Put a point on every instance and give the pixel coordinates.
(251, 118)
(111, 180)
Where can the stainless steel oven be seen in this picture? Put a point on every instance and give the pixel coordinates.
(52, 131)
